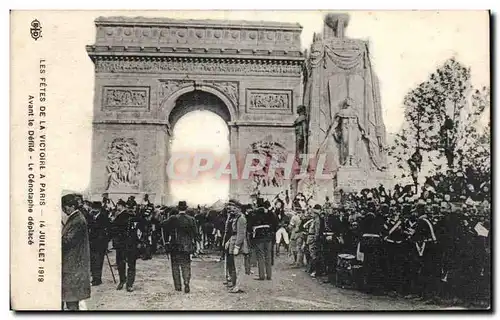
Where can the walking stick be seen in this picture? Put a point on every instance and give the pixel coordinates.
(272, 253)
(164, 243)
(110, 267)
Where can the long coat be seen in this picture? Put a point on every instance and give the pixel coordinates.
(75, 259)
(99, 229)
(239, 235)
(183, 233)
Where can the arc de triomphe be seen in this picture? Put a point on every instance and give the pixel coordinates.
(150, 72)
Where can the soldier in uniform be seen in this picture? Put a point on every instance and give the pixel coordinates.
(314, 240)
(238, 244)
(183, 235)
(294, 226)
(283, 220)
(303, 248)
(395, 249)
(229, 269)
(125, 233)
(333, 238)
(262, 228)
(147, 236)
(371, 245)
(412, 263)
(424, 240)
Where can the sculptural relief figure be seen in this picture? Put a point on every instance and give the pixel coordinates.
(347, 131)
(301, 131)
(339, 68)
(123, 162)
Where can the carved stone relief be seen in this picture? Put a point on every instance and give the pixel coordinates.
(222, 66)
(125, 97)
(123, 164)
(167, 87)
(228, 88)
(271, 151)
(269, 101)
(209, 37)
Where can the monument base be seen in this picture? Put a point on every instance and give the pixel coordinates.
(354, 179)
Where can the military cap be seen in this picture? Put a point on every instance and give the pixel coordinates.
(121, 203)
(96, 205)
(235, 203)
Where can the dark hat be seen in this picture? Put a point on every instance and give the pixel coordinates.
(69, 200)
(260, 202)
(96, 205)
(182, 206)
(234, 202)
(131, 203)
(317, 207)
(121, 203)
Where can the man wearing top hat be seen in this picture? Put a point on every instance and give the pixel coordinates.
(181, 230)
(125, 233)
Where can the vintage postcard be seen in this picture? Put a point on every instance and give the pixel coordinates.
(250, 160)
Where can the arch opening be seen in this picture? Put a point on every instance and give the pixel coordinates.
(198, 100)
(200, 130)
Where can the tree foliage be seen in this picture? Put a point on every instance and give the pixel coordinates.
(442, 124)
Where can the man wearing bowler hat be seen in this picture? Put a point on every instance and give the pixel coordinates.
(181, 230)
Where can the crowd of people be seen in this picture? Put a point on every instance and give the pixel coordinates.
(434, 246)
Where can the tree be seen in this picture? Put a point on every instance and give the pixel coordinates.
(474, 136)
(442, 118)
(452, 82)
(418, 136)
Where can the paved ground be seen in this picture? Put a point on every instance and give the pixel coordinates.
(290, 289)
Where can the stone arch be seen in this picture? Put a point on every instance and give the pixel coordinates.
(170, 102)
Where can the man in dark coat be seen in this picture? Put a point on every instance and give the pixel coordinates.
(99, 238)
(181, 229)
(125, 239)
(425, 242)
(371, 245)
(314, 240)
(229, 268)
(75, 277)
(263, 227)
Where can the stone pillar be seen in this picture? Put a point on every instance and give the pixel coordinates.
(235, 182)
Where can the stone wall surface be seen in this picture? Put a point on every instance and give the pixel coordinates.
(148, 69)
